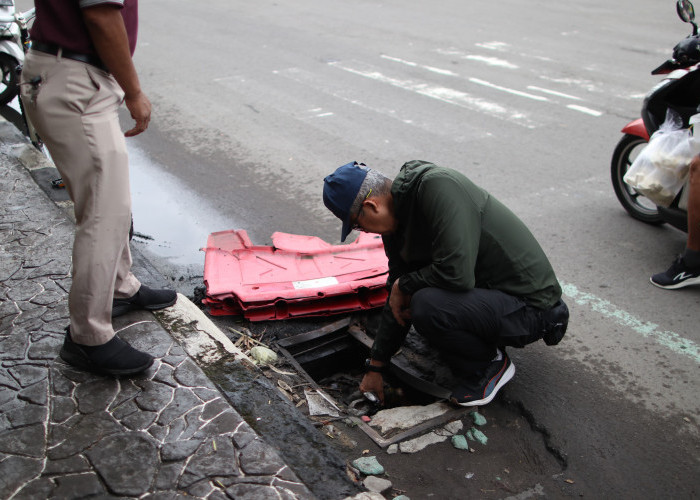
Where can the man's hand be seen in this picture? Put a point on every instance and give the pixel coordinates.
(373, 382)
(106, 27)
(400, 304)
(140, 109)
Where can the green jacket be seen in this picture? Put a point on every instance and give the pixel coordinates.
(454, 235)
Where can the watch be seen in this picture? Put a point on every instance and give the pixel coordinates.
(371, 368)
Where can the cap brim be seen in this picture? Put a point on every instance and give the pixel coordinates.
(347, 229)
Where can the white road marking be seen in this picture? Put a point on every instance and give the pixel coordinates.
(583, 109)
(510, 91)
(484, 83)
(553, 92)
(499, 46)
(668, 339)
(491, 61)
(439, 71)
(444, 94)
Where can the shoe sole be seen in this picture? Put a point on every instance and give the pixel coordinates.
(122, 309)
(507, 375)
(80, 363)
(682, 284)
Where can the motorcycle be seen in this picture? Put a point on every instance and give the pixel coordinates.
(11, 52)
(679, 91)
(14, 44)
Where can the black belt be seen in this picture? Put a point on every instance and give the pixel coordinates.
(53, 49)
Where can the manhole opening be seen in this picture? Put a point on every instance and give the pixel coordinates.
(332, 358)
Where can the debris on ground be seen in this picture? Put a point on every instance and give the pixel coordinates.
(369, 466)
(263, 355)
(436, 436)
(459, 441)
(406, 417)
(417, 444)
(376, 484)
(478, 418)
(368, 495)
(297, 276)
(453, 427)
(320, 404)
(478, 435)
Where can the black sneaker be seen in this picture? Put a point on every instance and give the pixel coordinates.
(677, 276)
(116, 357)
(482, 391)
(145, 298)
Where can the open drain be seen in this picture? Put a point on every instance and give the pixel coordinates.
(330, 359)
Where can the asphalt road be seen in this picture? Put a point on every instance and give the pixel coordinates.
(255, 102)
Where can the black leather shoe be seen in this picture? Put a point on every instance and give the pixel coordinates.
(116, 357)
(145, 298)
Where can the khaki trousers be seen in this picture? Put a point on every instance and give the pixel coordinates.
(74, 109)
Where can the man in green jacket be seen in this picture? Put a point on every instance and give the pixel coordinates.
(463, 270)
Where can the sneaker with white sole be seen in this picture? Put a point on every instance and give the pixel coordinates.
(678, 275)
(485, 388)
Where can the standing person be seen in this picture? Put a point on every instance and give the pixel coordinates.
(685, 270)
(76, 75)
(463, 269)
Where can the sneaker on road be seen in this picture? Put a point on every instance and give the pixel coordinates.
(483, 390)
(116, 357)
(145, 298)
(678, 275)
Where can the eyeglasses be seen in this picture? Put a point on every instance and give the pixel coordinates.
(356, 225)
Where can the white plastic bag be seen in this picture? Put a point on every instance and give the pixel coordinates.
(661, 169)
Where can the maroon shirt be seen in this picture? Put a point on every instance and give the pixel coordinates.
(60, 22)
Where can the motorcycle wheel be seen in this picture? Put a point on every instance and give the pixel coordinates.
(638, 206)
(9, 82)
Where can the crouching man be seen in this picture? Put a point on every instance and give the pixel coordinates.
(463, 270)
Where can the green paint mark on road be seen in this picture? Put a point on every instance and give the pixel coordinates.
(671, 340)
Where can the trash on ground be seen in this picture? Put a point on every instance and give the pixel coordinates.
(469, 475)
(369, 466)
(263, 355)
(298, 276)
(320, 404)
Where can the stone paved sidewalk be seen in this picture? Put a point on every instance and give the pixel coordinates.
(67, 434)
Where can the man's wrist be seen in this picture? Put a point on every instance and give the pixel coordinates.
(373, 365)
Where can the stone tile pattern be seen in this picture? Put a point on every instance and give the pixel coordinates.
(69, 434)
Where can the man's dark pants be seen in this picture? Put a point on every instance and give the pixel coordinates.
(468, 327)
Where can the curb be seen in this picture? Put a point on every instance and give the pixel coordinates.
(184, 312)
(231, 371)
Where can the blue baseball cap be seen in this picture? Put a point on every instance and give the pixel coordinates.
(340, 190)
